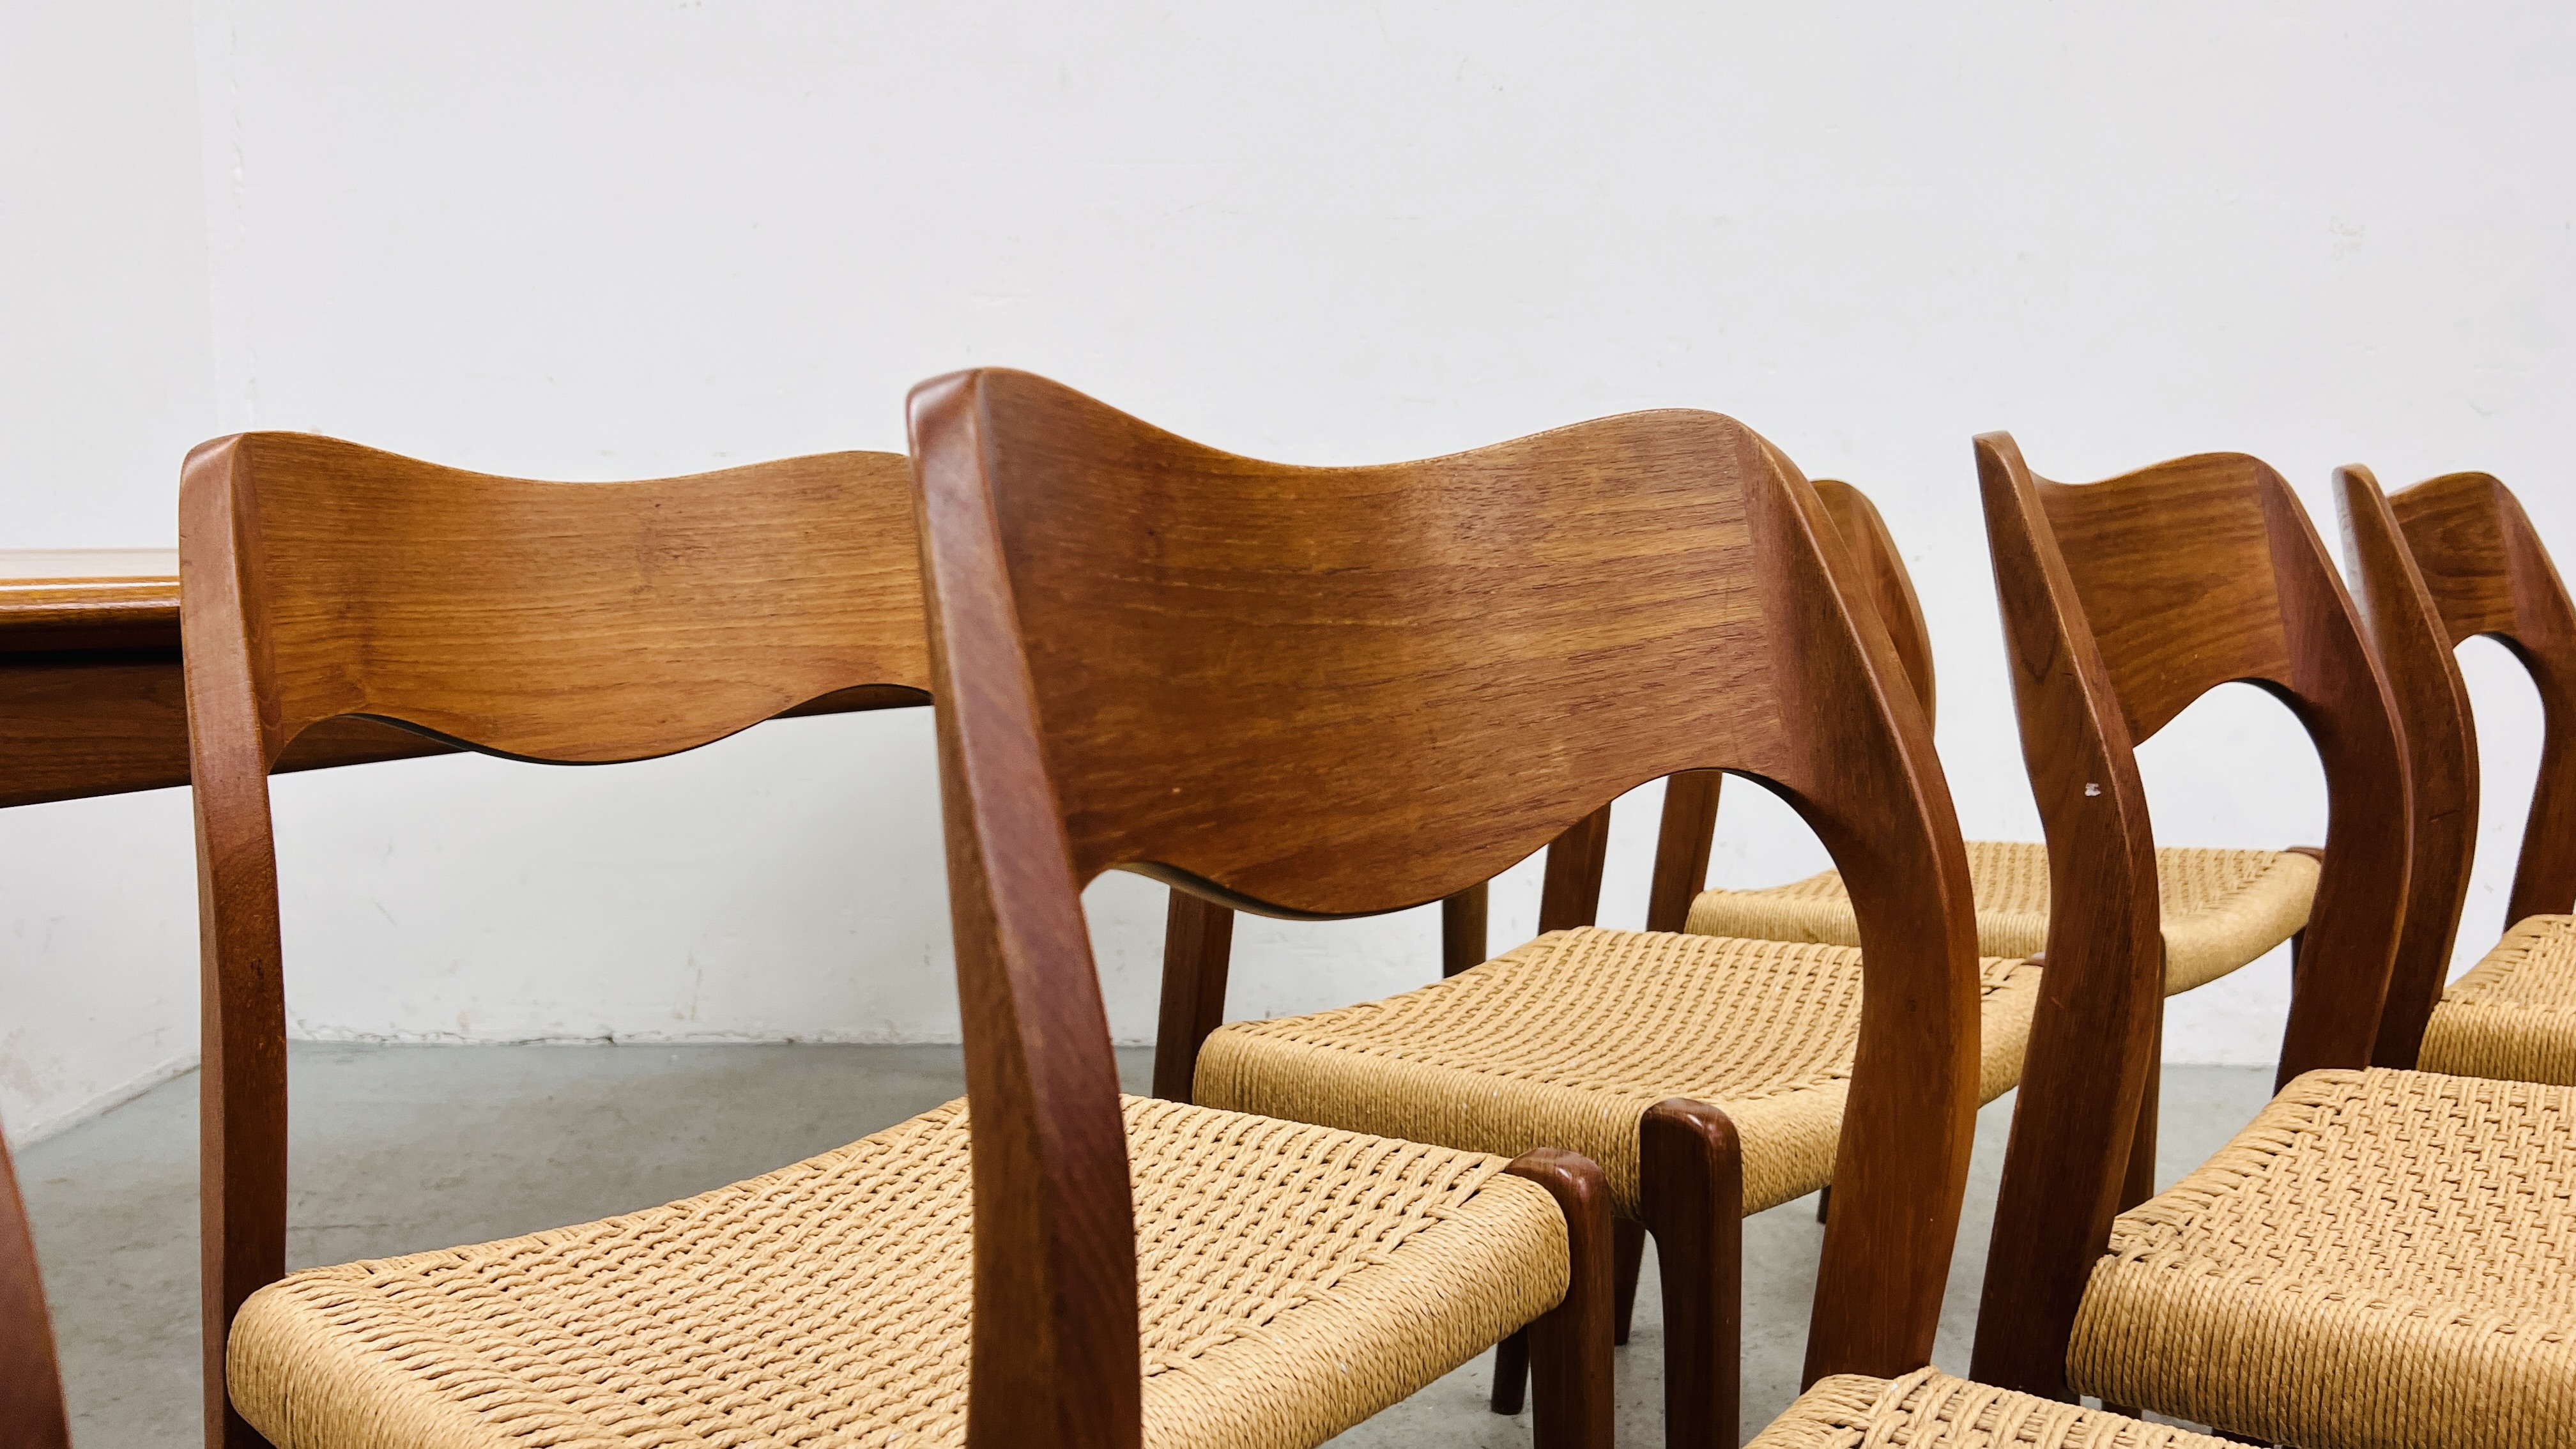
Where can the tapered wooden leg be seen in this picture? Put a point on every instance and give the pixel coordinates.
(1628, 1246)
(1825, 1202)
(1692, 1186)
(2140, 1182)
(1198, 946)
(1511, 1373)
(1682, 844)
(1569, 1345)
(1569, 892)
(1462, 930)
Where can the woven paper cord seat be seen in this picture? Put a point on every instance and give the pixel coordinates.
(1293, 1280)
(2382, 1258)
(2222, 908)
(2514, 1014)
(1567, 1041)
(1928, 1409)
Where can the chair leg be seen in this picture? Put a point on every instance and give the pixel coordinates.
(1693, 1199)
(1198, 943)
(2140, 1182)
(1824, 1202)
(1629, 1247)
(1511, 1373)
(1569, 1345)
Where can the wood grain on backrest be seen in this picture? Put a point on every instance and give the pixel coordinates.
(31, 1385)
(2172, 566)
(562, 621)
(1885, 580)
(1684, 837)
(2488, 573)
(1334, 691)
(571, 622)
(2122, 603)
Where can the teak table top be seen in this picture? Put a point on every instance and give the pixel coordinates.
(51, 590)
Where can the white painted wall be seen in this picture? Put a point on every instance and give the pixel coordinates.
(603, 240)
(106, 377)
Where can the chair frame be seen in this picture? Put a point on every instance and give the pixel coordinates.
(1029, 543)
(2122, 603)
(32, 1412)
(1199, 934)
(2445, 561)
(574, 623)
(1691, 818)
(1688, 827)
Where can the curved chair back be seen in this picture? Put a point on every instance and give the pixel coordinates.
(1685, 834)
(1688, 826)
(574, 623)
(2439, 564)
(2123, 602)
(1323, 692)
(31, 1384)
(1884, 579)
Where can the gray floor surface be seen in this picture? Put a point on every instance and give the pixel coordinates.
(403, 1148)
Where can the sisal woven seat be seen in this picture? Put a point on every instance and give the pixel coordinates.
(2222, 908)
(1569, 1039)
(1292, 1281)
(1928, 1409)
(2514, 1013)
(2381, 1259)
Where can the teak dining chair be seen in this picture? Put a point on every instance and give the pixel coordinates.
(32, 1414)
(1216, 672)
(1324, 692)
(576, 623)
(586, 623)
(2222, 908)
(2377, 1260)
(2438, 564)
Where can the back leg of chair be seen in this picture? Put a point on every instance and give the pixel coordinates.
(2140, 1182)
(1682, 843)
(1629, 1250)
(1569, 896)
(1198, 949)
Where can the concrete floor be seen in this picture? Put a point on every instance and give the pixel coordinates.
(404, 1148)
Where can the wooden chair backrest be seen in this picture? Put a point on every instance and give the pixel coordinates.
(1685, 835)
(557, 622)
(1326, 692)
(1885, 580)
(2123, 602)
(32, 1415)
(2441, 563)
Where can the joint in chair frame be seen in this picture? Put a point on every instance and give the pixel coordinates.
(592, 623)
(2438, 564)
(2358, 1267)
(1326, 692)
